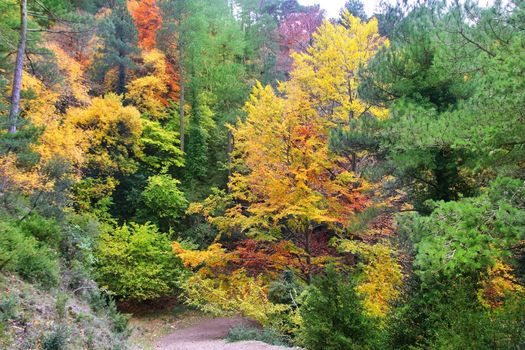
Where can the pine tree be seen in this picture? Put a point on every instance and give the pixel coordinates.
(119, 36)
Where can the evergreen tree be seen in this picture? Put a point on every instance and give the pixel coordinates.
(356, 9)
(119, 37)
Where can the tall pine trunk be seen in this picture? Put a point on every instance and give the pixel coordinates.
(19, 69)
(122, 77)
(181, 100)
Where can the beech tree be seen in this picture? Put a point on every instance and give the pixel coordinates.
(285, 175)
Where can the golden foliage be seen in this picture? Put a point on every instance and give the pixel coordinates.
(59, 139)
(381, 275)
(74, 85)
(292, 172)
(214, 256)
(284, 167)
(151, 93)
(25, 180)
(217, 289)
(326, 74)
(39, 104)
(498, 282)
(113, 131)
(232, 294)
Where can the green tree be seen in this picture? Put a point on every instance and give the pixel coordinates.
(216, 88)
(119, 37)
(164, 201)
(137, 262)
(333, 315)
(357, 9)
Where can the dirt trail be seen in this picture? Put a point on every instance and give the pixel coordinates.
(209, 335)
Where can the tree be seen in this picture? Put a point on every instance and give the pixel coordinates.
(19, 68)
(329, 69)
(215, 86)
(333, 316)
(152, 93)
(172, 42)
(285, 175)
(113, 131)
(47, 12)
(164, 200)
(136, 262)
(159, 149)
(356, 9)
(119, 37)
(295, 35)
(148, 21)
(467, 237)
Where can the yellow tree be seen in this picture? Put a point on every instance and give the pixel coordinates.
(326, 74)
(56, 140)
(285, 173)
(152, 93)
(113, 131)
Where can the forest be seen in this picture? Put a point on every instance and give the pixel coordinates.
(343, 183)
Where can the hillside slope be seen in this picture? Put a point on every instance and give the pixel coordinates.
(31, 318)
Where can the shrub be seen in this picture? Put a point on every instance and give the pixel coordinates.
(465, 237)
(448, 315)
(60, 305)
(137, 262)
(45, 230)
(80, 231)
(333, 317)
(236, 293)
(103, 304)
(285, 290)
(56, 339)
(9, 308)
(266, 335)
(23, 255)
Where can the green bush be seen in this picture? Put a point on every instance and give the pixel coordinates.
(268, 336)
(448, 315)
(60, 305)
(56, 339)
(163, 200)
(23, 255)
(465, 237)
(285, 290)
(333, 317)
(8, 308)
(103, 304)
(454, 247)
(45, 230)
(137, 262)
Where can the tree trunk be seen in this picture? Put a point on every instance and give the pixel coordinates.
(181, 100)
(19, 69)
(307, 248)
(230, 150)
(121, 83)
(354, 163)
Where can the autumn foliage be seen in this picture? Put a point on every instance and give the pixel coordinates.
(348, 183)
(148, 20)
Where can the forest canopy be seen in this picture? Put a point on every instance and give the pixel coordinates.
(348, 183)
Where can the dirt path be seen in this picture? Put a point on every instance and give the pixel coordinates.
(209, 335)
